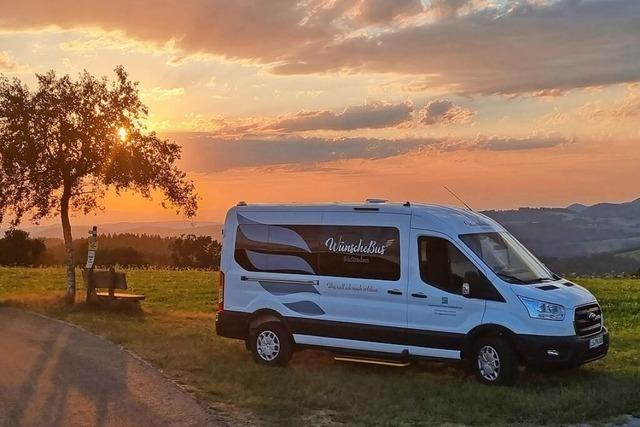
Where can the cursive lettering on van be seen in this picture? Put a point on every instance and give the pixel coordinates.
(359, 248)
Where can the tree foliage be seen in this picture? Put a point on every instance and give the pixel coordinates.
(137, 250)
(65, 135)
(195, 251)
(60, 149)
(16, 248)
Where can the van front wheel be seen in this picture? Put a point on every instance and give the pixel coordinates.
(271, 344)
(495, 361)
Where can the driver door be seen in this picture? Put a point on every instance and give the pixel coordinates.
(438, 314)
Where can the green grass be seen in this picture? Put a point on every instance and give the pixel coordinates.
(175, 332)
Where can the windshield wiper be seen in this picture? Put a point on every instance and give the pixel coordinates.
(524, 282)
(510, 277)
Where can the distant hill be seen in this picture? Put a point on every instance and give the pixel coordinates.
(577, 207)
(160, 228)
(577, 230)
(629, 210)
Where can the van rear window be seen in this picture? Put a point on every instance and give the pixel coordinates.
(366, 252)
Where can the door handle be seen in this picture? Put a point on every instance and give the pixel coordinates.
(394, 292)
(418, 295)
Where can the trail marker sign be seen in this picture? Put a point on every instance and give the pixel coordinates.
(93, 247)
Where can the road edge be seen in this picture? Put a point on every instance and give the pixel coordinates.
(181, 388)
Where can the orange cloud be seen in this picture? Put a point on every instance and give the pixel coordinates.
(444, 112)
(384, 11)
(373, 115)
(629, 108)
(10, 65)
(369, 116)
(254, 29)
(514, 48)
(206, 153)
(446, 9)
(550, 93)
(526, 47)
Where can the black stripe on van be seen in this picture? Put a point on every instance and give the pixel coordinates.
(373, 333)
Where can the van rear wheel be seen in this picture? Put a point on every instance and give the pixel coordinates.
(271, 344)
(494, 361)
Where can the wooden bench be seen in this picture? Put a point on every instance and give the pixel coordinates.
(109, 280)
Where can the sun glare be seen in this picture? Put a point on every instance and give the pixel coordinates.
(122, 134)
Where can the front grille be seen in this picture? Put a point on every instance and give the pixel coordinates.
(588, 319)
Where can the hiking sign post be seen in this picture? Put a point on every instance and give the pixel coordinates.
(91, 260)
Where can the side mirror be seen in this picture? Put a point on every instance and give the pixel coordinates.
(466, 289)
(470, 284)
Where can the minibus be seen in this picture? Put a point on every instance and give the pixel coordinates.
(382, 282)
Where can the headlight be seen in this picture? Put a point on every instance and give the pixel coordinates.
(543, 310)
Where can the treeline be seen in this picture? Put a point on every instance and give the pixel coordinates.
(190, 251)
(123, 249)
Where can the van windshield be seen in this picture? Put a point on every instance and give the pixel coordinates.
(507, 257)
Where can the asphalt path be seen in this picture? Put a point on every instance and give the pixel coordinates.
(55, 374)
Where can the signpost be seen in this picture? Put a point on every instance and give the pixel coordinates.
(93, 247)
(91, 260)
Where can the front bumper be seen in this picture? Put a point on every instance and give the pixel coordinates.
(546, 351)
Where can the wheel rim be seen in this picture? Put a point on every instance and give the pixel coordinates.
(489, 363)
(268, 345)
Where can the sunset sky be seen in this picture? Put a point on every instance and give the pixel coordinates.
(508, 103)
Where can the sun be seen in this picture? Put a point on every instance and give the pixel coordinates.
(122, 134)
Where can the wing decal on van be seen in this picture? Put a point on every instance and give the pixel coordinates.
(244, 220)
(280, 288)
(271, 234)
(278, 262)
(309, 308)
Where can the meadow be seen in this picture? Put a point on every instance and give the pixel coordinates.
(174, 330)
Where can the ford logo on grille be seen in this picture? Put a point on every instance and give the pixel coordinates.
(593, 316)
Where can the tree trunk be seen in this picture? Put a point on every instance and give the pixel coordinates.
(68, 245)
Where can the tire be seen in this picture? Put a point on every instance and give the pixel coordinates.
(271, 344)
(494, 361)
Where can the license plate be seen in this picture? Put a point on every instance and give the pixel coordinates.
(596, 341)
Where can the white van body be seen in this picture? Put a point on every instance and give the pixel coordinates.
(399, 280)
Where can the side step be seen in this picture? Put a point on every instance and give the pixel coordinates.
(371, 361)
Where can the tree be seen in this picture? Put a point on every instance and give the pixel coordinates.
(127, 256)
(63, 145)
(196, 252)
(16, 248)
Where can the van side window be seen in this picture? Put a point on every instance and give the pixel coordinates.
(275, 249)
(363, 252)
(443, 265)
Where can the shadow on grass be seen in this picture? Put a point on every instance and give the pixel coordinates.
(56, 306)
(125, 308)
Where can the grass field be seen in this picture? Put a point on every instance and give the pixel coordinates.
(175, 332)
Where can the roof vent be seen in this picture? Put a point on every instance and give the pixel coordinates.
(376, 201)
(242, 203)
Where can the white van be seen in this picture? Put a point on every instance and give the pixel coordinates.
(383, 281)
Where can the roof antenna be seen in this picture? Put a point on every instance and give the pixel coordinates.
(459, 199)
